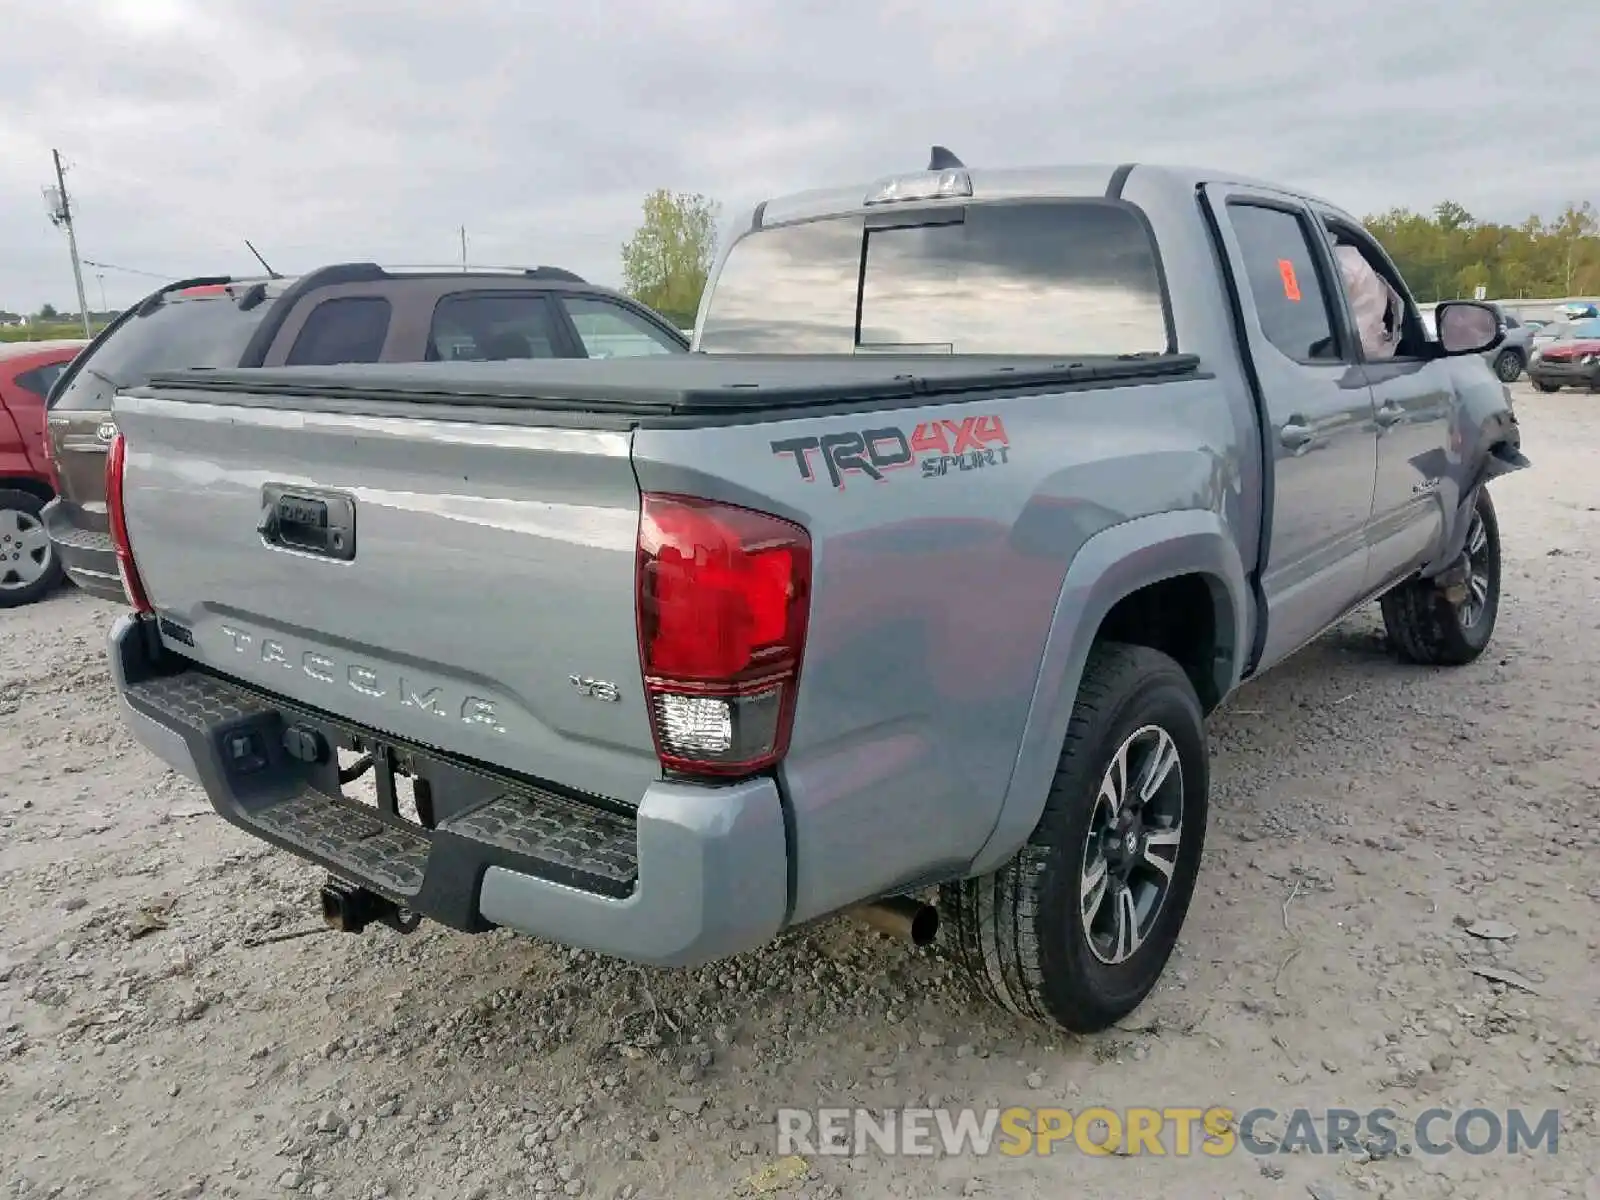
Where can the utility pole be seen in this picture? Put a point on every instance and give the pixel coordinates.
(463, 248)
(61, 216)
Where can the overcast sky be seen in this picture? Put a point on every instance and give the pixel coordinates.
(371, 129)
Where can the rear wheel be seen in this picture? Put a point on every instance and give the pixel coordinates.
(1508, 366)
(1078, 927)
(1540, 385)
(29, 564)
(1426, 627)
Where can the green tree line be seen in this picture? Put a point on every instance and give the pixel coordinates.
(1447, 253)
(1443, 255)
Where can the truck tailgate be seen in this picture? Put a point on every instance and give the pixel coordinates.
(479, 596)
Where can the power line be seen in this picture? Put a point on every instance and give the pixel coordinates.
(105, 266)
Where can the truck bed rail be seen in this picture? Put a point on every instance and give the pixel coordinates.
(663, 385)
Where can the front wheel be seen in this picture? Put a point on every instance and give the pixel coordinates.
(1078, 927)
(1508, 366)
(1540, 385)
(29, 564)
(1426, 627)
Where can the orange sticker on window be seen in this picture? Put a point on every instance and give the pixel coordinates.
(1291, 285)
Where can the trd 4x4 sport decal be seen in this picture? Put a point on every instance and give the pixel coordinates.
(939, 447)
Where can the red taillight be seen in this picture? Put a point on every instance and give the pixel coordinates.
(723, 597)
(131, 583)
(205, 289)
(51, 467)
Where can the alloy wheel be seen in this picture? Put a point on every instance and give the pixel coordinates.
(1478, 573)
(1132, 846)
(25, 551)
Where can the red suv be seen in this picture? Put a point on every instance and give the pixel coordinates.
(29, 566)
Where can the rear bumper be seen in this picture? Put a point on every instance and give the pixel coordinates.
(87, 555)
(695, 874)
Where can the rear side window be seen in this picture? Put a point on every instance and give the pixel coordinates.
(493, 326)
(608, 330)
(210, 331)
(40, 380)
(1284, 281)
(1040, 277)
(345, 329)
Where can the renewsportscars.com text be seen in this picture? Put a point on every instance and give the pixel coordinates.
(1164, 1132)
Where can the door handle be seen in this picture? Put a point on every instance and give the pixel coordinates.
(1294, 435)
(1390, 414)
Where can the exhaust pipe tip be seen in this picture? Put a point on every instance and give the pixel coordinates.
(902, 917)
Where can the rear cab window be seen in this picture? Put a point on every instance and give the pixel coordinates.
(207, 328)
(1077, 277)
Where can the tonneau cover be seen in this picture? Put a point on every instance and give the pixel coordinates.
(675, 383)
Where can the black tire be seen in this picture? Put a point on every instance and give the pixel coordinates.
(1508, 366)
(27, 572)
(1020, 932)
(1540, 385)
(1426, 628)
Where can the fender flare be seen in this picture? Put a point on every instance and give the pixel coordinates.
(1111, 565)
(1503, 439)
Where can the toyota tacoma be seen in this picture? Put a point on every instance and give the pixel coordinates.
(981, 490)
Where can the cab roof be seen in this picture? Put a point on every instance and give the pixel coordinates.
(1065, 180)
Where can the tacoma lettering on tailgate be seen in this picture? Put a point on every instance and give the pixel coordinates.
(939, 447)
(367, 680)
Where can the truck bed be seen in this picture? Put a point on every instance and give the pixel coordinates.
(481, 618)
(492, 511)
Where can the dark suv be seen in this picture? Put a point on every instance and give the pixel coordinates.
(349, 313)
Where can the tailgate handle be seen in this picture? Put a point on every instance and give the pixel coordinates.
(310, 522)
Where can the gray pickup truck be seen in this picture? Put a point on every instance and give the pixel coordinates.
(982, 491)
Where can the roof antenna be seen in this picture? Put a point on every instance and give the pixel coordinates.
(261, 260)
(942, 160)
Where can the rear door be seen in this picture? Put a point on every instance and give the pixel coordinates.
(1319, 412)
(203, 326)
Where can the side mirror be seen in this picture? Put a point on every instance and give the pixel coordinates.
(1467, 327)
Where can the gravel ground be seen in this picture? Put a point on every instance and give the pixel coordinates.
(163, 1033)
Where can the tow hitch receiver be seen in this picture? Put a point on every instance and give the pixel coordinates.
(350, 909)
